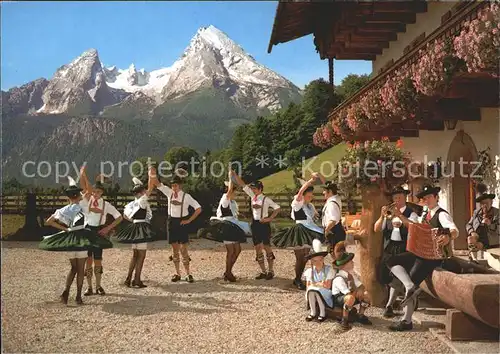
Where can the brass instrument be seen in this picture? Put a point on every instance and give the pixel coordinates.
(389, 212)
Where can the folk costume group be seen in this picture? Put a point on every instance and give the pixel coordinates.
(83, 238)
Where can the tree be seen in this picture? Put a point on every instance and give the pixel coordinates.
(182, 157)
(351, 84)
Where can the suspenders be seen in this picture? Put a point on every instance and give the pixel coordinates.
(102, 210)
(182, 205)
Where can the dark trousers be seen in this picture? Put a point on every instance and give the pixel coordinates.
(420, 268)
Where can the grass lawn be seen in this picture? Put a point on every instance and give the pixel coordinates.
(11, 223)
(284, 179)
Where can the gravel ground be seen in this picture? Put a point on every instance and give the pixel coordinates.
(208, 316)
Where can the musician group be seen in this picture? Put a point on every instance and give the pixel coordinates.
(328, 283)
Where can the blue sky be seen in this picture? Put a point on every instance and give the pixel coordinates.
(39, 37)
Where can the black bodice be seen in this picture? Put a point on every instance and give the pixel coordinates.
(140, 214)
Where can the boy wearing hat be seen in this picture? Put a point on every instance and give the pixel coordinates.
(98, 210)
(347, 289)
(178, 204)
(483, 227)
(319, 283)
(393, 223)
(421, 268)
(261, 225)
(332, 215)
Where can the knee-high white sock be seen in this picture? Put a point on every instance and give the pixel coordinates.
(392, 296)
(408, 310)
(400, 273)
(312, 302)
(321, 304)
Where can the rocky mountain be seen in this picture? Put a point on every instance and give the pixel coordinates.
(198, 101)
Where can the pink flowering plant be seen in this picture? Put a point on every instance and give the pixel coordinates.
(373, 163)
(399, 95)
(372, 106)
(479, 41)
(355, 117)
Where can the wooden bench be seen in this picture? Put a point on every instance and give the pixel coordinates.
(473, 291)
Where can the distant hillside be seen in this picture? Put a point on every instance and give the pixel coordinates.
(282, 180)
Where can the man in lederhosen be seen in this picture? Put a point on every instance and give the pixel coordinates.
(178, 204)
(483, 229)
(332, 215)
(95, 219)
(261, 225)
(421, 268)
(393, 222)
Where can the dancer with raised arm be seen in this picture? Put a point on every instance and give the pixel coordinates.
(178, 204)
(73, 238)
(261, 225)
(300, 236)
(137, 230)
(225, 227)
(95, 219)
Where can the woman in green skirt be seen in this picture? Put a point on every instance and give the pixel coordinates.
(137, 231)
(74, 239)
(300, 236)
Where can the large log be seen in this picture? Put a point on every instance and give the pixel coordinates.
(474, 294)
(370, 244)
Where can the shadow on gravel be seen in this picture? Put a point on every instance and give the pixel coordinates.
(217, 285)
(143, 305)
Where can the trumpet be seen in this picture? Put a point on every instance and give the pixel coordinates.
(390, 207)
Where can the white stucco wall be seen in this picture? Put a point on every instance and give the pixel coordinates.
(425, 22)
(434, 144)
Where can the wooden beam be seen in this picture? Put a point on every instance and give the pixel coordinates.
(388, 17)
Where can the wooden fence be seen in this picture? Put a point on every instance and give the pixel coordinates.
(47, 203)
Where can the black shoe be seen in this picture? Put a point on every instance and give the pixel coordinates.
(269, 275)
(88, 292)
(229, 277)
(189, 278)
(139, 284)
(345, 324)
(79, 300)
(388, 312)
(261, 276)
(320, 319)
(410, 294)
(401, 326)
(64, 297)
(299, 284)
(127, 282)
(310, 318)
(100, 291)
(175, 278)
(363, 320)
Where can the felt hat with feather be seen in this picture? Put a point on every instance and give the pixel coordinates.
(427, 190)
(482, 193)
(138, 185)
(317, 250)
(342, 257)
(73, 190)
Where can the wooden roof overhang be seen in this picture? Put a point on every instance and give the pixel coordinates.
(345, 29)
(462, 100)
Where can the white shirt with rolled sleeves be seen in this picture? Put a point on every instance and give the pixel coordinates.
(332, 211)
(134, 206)
(258, 200)
(445, 219)
(225, 203)
(309, 210)
(175, 210)
(339, 284)
(396, 233)
(98, 219)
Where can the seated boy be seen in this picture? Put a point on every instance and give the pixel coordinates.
(347, 289)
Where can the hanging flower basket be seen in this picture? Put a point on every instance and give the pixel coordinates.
(373, 108)
(479, 41)
(355, 118)
(373, 163)
(399, 95)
